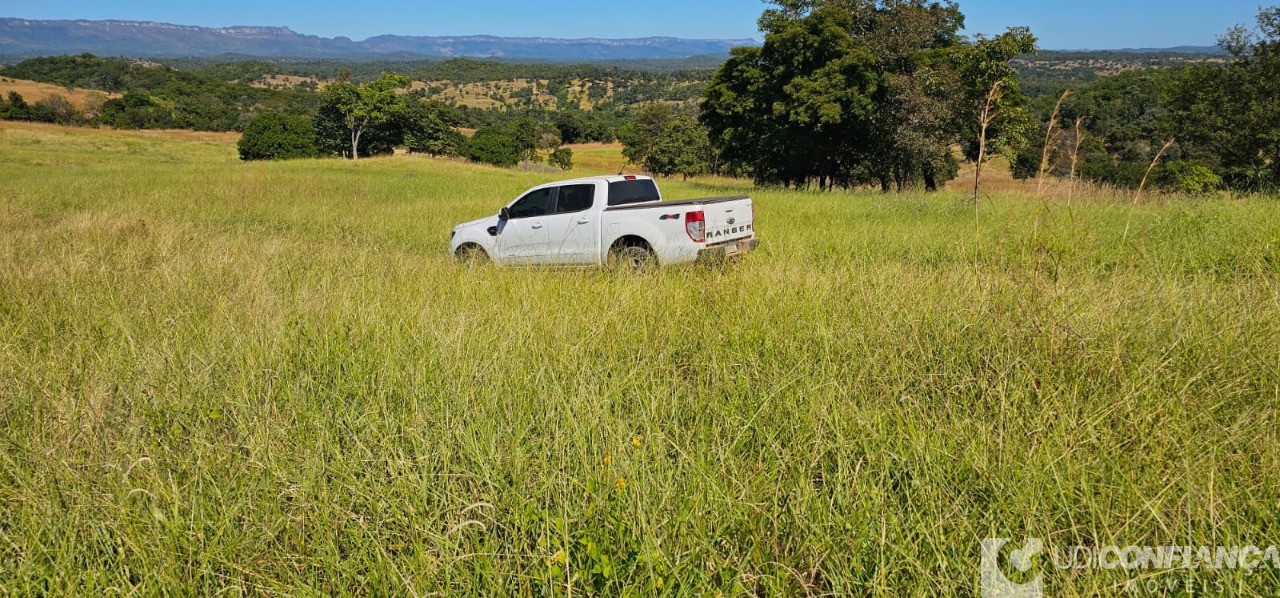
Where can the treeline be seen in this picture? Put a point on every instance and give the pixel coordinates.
(626, 86)
(1049, 72)
(1196, 129)
(461, 70)
(217, 96)
(376, 117)
(156, 96)
(53, 109)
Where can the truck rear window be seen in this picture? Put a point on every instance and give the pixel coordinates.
(622, 193)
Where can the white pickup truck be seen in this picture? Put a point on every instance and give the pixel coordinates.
(614, 220)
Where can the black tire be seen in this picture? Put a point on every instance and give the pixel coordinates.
(632, 257)
(471, 254)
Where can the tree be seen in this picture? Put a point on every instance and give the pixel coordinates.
(639, 136)
(276, 136)
(430, 127)
(682, 148)
(361, 107)
(1229, 118)
(135, 110)
(1000, 122)
(847, 93)
(561, 158)
(577, 126)
(529, 136)
(494, 145)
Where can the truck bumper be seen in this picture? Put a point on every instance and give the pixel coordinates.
(728, 250)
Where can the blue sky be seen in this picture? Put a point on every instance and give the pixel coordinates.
(1071, 24)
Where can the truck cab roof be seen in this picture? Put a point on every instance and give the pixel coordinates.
(617, 178)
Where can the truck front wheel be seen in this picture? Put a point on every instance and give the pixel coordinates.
(471, 254)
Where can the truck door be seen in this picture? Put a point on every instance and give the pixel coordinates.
(522, 238)
(572, 226)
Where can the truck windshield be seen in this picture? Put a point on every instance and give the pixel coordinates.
(637, 191)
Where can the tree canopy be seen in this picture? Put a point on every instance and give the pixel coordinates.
(847, 92)
(363, 106)
(276, 136)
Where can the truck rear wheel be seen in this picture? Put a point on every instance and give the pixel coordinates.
(632, 257)
(471, 254)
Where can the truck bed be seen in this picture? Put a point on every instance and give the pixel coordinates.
(675, 204)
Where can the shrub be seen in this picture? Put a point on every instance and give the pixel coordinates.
(1189, 178)
(435, 141)
(276, 136)
(16, 108)
(493, 145)
(562, 157)
(55, 109)
(135, 111)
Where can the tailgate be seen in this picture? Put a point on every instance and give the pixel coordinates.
(729, 221)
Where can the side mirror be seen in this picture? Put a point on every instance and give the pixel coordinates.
(504, 214)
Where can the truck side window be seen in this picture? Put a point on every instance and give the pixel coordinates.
(633, 190)
(575, 198)
(534, 203)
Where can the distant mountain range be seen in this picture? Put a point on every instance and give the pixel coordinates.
(143, 39)
(1173, 50)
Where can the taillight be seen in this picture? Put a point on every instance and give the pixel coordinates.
(695, 223)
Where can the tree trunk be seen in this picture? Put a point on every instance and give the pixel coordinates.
(355, 143)
(884, 183)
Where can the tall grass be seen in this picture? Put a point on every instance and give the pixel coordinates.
(270, 378)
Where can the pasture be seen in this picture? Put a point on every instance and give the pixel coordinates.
(271, 378)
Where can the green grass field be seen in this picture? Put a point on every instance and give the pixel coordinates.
(271, 378)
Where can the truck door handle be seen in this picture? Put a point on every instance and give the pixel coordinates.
(537, 226)
(583, 221)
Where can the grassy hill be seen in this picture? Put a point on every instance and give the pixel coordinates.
(34, 91)
(221, 377)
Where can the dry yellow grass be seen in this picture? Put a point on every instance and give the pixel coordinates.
(602, 157)
(221, 378)
(52, 133)
(32, 92)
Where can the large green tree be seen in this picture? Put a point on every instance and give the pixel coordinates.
(361, 107)
(850, 92)
(494, 145)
